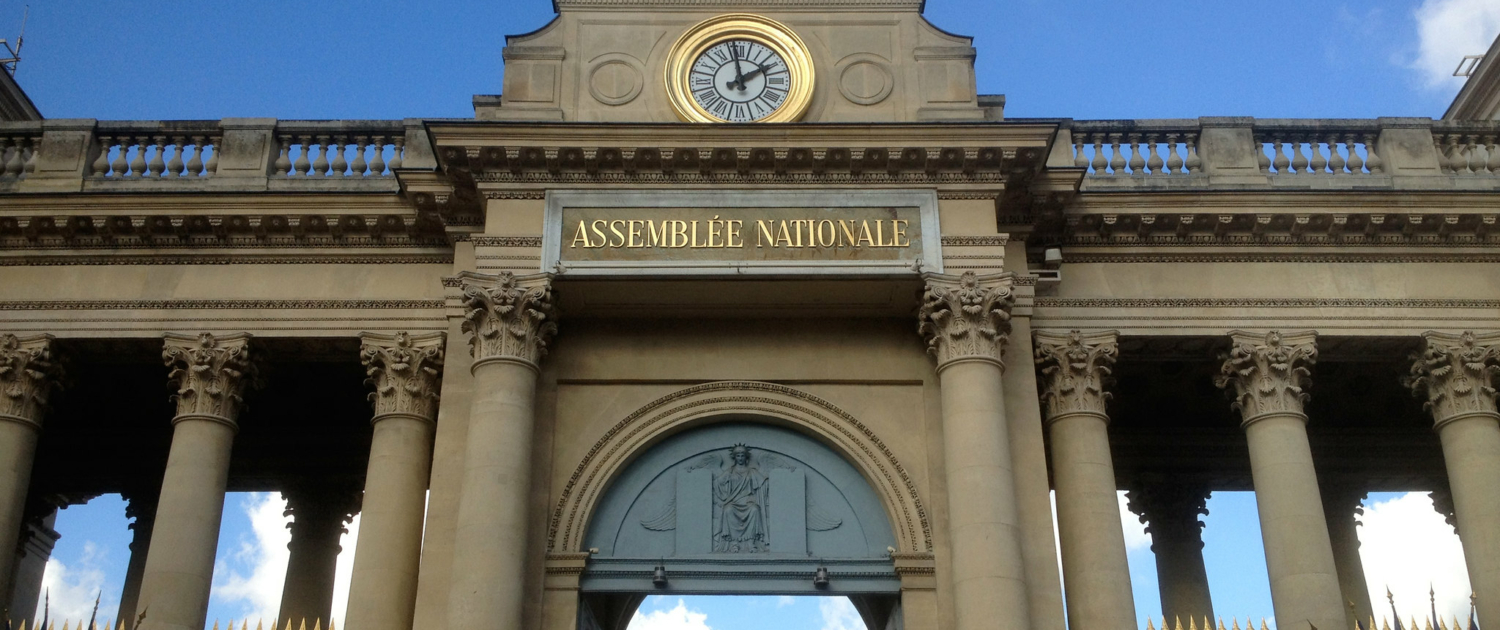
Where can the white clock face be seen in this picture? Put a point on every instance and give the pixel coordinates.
(740, 81)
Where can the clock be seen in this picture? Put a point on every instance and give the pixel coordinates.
(739, 68)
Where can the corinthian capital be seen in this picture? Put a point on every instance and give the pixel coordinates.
(211, 374)
(1269, 373)
(27, 375)
(1457, 374)
(1074, 366)
(406, 372)
(508, 315)
(966, 316)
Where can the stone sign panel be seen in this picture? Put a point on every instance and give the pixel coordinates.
(741, 232)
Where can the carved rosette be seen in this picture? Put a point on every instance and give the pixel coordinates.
(406, 372)
(1074, 366)
(210, 373)
(1269, 374)
(966, 317)
(28, 374)
(507, 315)
(1457, 375)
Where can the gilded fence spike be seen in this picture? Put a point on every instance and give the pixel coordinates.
(1385, 623)
(65, 624)
(260, 624)
(216, 625)
(330, 624)
(288, 623)
(318, 624)
(23, 624)
(246, 624)
(1178, 619)
(1263, 625)
(1148, 623)
(1192, 623)
(1236, 621)
(303, 626)
(1221, 623)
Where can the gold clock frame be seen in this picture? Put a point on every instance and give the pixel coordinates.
(762, 30)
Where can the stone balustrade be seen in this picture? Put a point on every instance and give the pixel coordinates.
(1249, 153)
(229, 155)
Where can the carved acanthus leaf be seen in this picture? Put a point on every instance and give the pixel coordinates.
(1074, 369)
(211, 373)
(508, 315)
(1456, 373)
(406, 372)
(966, 316)
(28, 374)
(1268, 374)
(1170, 511)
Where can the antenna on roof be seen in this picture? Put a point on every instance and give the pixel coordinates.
(1468, 65)
(9, 63)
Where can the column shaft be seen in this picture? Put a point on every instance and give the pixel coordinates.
(1341, 505)
(1023, 412)
(143, 509)
(26, 380)
(31, 568)
(319, 514)
(1095, 570)
(211, 374)
(1269, 373)
(1456, 376)
(1171, 512)
(383, 589)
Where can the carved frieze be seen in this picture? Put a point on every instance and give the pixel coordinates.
(1074, 366)
(1456, 373)
(211, 374)
(966, 316)
(406, 372)
(507, 315)
(1268, 374)
(28, 374)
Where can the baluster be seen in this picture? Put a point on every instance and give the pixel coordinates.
(12, 154)
(1299, 161)
(101, 164)
(1468, 153)
(1319, 164)
(1260, 154)
(1356, 164)
(1154, 162)
(1137, 161)
(158, 165)
(1336, 162)
(1480, 157)
(283, 162)
(1079, 159)
(398, 153)
(340, 144)
(302, 165)
(360, 165)
(118, 167)
(138, 161)
(1450, 154)
(1174, 161)
(176, 167)
(377, 165)
(195, 165)
(1493, 161)
(1281, 162)
(1100, 164)
(1372, 155)
(1116, 155)
(1195, 163)
(320, 165)
(30, 159)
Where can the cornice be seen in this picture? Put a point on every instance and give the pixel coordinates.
(1250, 256)
(78, 305)
(31, 260)
(1262, 229)
(1061, 302)
(478, 133)
(201, 204)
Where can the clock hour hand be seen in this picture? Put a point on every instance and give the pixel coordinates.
(759, 69)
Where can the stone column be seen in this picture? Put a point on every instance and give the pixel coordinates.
(211, 374)
(1170, 511)
(1028, 451)
(1457, 375)
(1341, 508)
(1096, 575)
(1268, 374)
(319, 515)
(965, 320)
(509, 319)
(405, 371)
(142, 507)
(27, 376)
(31, 567)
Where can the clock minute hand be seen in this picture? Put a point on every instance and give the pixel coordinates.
(739, 72)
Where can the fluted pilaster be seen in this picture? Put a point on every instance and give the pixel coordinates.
(1096, 576)
(28, 375)
(1455, 375)
(1268, 375)
(966, 322)
(509, 320)
(406, 373)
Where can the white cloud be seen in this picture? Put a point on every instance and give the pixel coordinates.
(73, 589)
(265, 553)
(344, 570)
(1135, 532)
(1405, 544)
(678, 618)
(1446, 31)
(839, 614)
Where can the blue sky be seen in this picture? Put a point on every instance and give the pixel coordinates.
(1080, 59)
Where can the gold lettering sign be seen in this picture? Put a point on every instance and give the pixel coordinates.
(741, 234)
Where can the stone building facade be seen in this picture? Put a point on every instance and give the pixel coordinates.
(847, 353)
